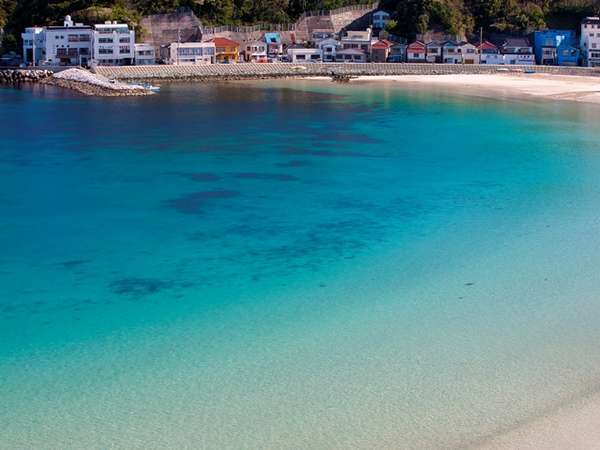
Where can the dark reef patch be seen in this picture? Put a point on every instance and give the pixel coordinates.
(73, 263)
(294, 163)
(201, 177)
(265, 176)
(329, 153)
(194, 202)
(346, 137)
(138, 287)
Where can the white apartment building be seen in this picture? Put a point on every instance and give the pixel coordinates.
(69, 44)
(114, 44)
(357, 40)
(145, 55)
(590, 41)
(192, 53)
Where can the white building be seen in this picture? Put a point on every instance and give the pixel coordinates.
(300, 55)
(34, 43)
(590, 41)
(357, 40)
(469, 53)
(145, 55)
(351, 55)
(114, 44)
(380, 19)
(329, 48)
(69, 44)
(255, 51)
(451, 53)
(319, 35)
(489, 53)
(517, 51)
(192, 53)
(434, 52)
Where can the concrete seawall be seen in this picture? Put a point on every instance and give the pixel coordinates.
(277, 70)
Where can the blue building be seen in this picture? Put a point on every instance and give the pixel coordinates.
(274, 45)
(556, 48)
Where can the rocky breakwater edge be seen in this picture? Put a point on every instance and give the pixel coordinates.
(93, 84)
(18, 76)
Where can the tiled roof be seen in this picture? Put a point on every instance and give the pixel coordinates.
(383, 43)
(516, 42)
(416, 44)
(487, 45)
(224, 42)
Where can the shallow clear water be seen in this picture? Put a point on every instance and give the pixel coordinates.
(293, 265)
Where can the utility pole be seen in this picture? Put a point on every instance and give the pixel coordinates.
(178, 42)
(480, 42)
(32, 49)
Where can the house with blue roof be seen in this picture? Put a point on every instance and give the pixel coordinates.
(556, 47)
(274, 45)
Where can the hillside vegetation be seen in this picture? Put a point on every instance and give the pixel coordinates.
(410, 16)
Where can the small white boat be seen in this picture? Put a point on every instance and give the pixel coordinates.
(150, 87)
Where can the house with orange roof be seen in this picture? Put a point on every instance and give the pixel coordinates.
(380, 50)
(227, 50)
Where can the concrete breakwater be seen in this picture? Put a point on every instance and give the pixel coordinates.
(16, 76)
(280, 70)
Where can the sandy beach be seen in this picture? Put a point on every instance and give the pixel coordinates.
(551, 87)
(573, 426)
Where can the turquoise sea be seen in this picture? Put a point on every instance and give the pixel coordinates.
(293, 264)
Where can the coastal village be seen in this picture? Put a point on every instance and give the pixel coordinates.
(114, 44)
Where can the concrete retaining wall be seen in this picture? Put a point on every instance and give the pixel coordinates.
(274, 70)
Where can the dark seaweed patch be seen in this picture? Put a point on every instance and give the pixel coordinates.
(193, 203)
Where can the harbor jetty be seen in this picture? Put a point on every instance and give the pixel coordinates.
(88, 83)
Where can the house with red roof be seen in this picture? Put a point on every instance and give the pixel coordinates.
(489, 53)
(416, 52)
(380, 50)
(227, 50)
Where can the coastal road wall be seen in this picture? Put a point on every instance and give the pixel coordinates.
(276, 70)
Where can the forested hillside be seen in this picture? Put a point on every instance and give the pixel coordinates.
(466, 16)
(410, 16)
